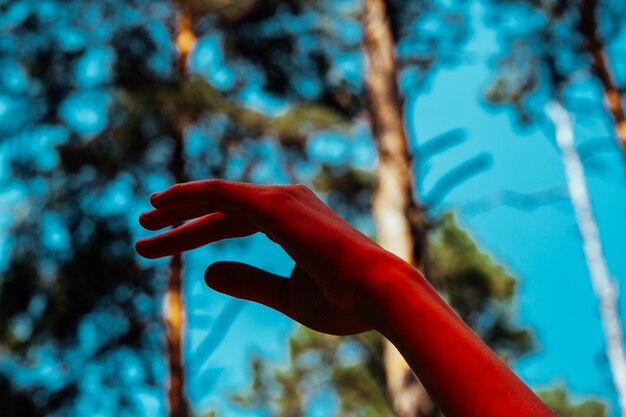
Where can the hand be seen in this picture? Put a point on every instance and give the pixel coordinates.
(343, 283)
(335, 263)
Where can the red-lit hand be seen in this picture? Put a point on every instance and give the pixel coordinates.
(334, 261)
(342, 283)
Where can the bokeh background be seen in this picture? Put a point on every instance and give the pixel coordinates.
(104, 102)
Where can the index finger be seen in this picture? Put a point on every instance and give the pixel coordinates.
(215, 194)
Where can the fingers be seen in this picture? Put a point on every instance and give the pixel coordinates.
(207, 229)
(158, 219)
(222, 203)
(215, 194)
(249, 283)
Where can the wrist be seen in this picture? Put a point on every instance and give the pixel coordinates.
(389, 286)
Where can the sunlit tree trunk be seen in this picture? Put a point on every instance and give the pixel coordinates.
(174, 308)
(601, 68)
(603, 287)
(400, 223)
(174, 319)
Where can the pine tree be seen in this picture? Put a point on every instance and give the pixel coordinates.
(571, 41)
(546, 62)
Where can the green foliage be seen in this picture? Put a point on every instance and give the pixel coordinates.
(295, 125)
(457, 261)
(478, 289)
(559, 401)
(349, 367)
(348, 189)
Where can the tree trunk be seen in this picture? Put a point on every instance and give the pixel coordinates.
(174, 310)
(174, 319)
(400, 222)
(603, 287)
(613, 99)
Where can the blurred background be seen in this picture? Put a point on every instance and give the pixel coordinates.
(501, 126)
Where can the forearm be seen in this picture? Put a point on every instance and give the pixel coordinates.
(464, 377)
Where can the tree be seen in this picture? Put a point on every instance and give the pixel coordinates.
(546, 61)
(592, 246)
(400, 221)
(561, 44)
(594, 45)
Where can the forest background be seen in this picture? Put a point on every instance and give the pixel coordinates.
(501, 127)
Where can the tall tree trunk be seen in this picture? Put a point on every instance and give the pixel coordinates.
(174, 319)
(605, 291)
(588, 27)
(400, 222)
(174, 309)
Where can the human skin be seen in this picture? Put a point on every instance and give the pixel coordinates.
(342, 283)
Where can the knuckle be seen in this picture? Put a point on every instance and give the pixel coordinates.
(289, 194)
(277, 198)
(212, 183)
(298, 189)
(302, 187)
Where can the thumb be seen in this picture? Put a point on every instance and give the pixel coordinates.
(249, 283)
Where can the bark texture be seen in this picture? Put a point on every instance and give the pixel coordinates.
(400, 222)
(613, 100)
